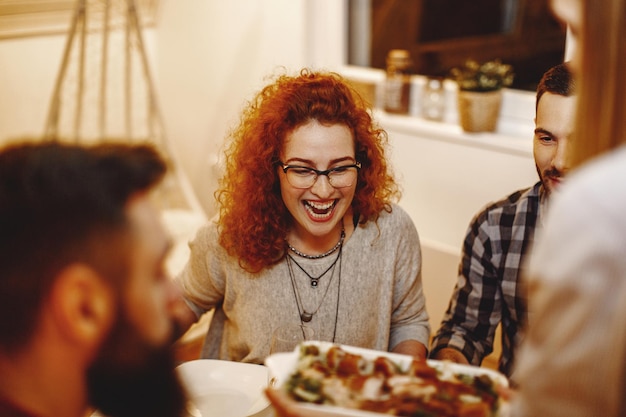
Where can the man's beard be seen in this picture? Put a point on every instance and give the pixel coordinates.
(131, 378)
(546, 175)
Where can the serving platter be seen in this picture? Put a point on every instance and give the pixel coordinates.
(282, 365)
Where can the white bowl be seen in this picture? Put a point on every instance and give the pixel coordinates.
(224, 388)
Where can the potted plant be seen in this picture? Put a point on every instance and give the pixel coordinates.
(480, 93)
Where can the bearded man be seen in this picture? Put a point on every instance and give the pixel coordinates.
(86, 306)
(488, 291)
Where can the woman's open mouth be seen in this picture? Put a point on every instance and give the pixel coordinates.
(320, 211)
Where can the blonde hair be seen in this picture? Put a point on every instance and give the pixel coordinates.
(601, 117)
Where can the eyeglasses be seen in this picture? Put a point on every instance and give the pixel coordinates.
(305, 177)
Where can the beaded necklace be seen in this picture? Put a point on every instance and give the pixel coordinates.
(321, 255)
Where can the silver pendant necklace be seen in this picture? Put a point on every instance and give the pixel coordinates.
(314, 281)
(306, 316)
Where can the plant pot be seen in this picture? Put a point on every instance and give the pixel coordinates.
(479, 111)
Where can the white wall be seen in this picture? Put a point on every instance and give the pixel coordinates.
(212, 56)
(28, 68)
(447, 176)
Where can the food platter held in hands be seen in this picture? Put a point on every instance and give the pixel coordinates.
(346, 381)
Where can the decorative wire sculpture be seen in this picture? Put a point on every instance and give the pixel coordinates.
(104, 90)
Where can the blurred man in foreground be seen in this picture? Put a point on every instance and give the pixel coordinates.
(85, 303)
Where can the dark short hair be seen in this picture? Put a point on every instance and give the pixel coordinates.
(557, 80)
(59, 204)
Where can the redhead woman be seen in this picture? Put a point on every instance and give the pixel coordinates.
(308, 231)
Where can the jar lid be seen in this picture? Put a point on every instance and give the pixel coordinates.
(399, 54)
(399, 58)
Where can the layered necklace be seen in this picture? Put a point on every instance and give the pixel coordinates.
(314, 280)
(307, 316)
(321, 255)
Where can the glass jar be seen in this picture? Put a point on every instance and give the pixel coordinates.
(398, 81)
(433, 99)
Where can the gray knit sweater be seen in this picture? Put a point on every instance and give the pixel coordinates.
(374, 298)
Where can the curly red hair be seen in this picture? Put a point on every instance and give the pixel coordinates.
(253, 218)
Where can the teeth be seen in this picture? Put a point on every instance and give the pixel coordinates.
(321, 206)
(319, 210)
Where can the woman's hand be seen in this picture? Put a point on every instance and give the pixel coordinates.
(411, 347)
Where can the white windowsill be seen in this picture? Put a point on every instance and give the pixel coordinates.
(512, 136)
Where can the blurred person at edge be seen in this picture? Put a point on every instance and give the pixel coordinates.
(308, 231)
(490, 291)
(573, 360)
(86, 306)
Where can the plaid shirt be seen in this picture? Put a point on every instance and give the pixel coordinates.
(488, 292)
